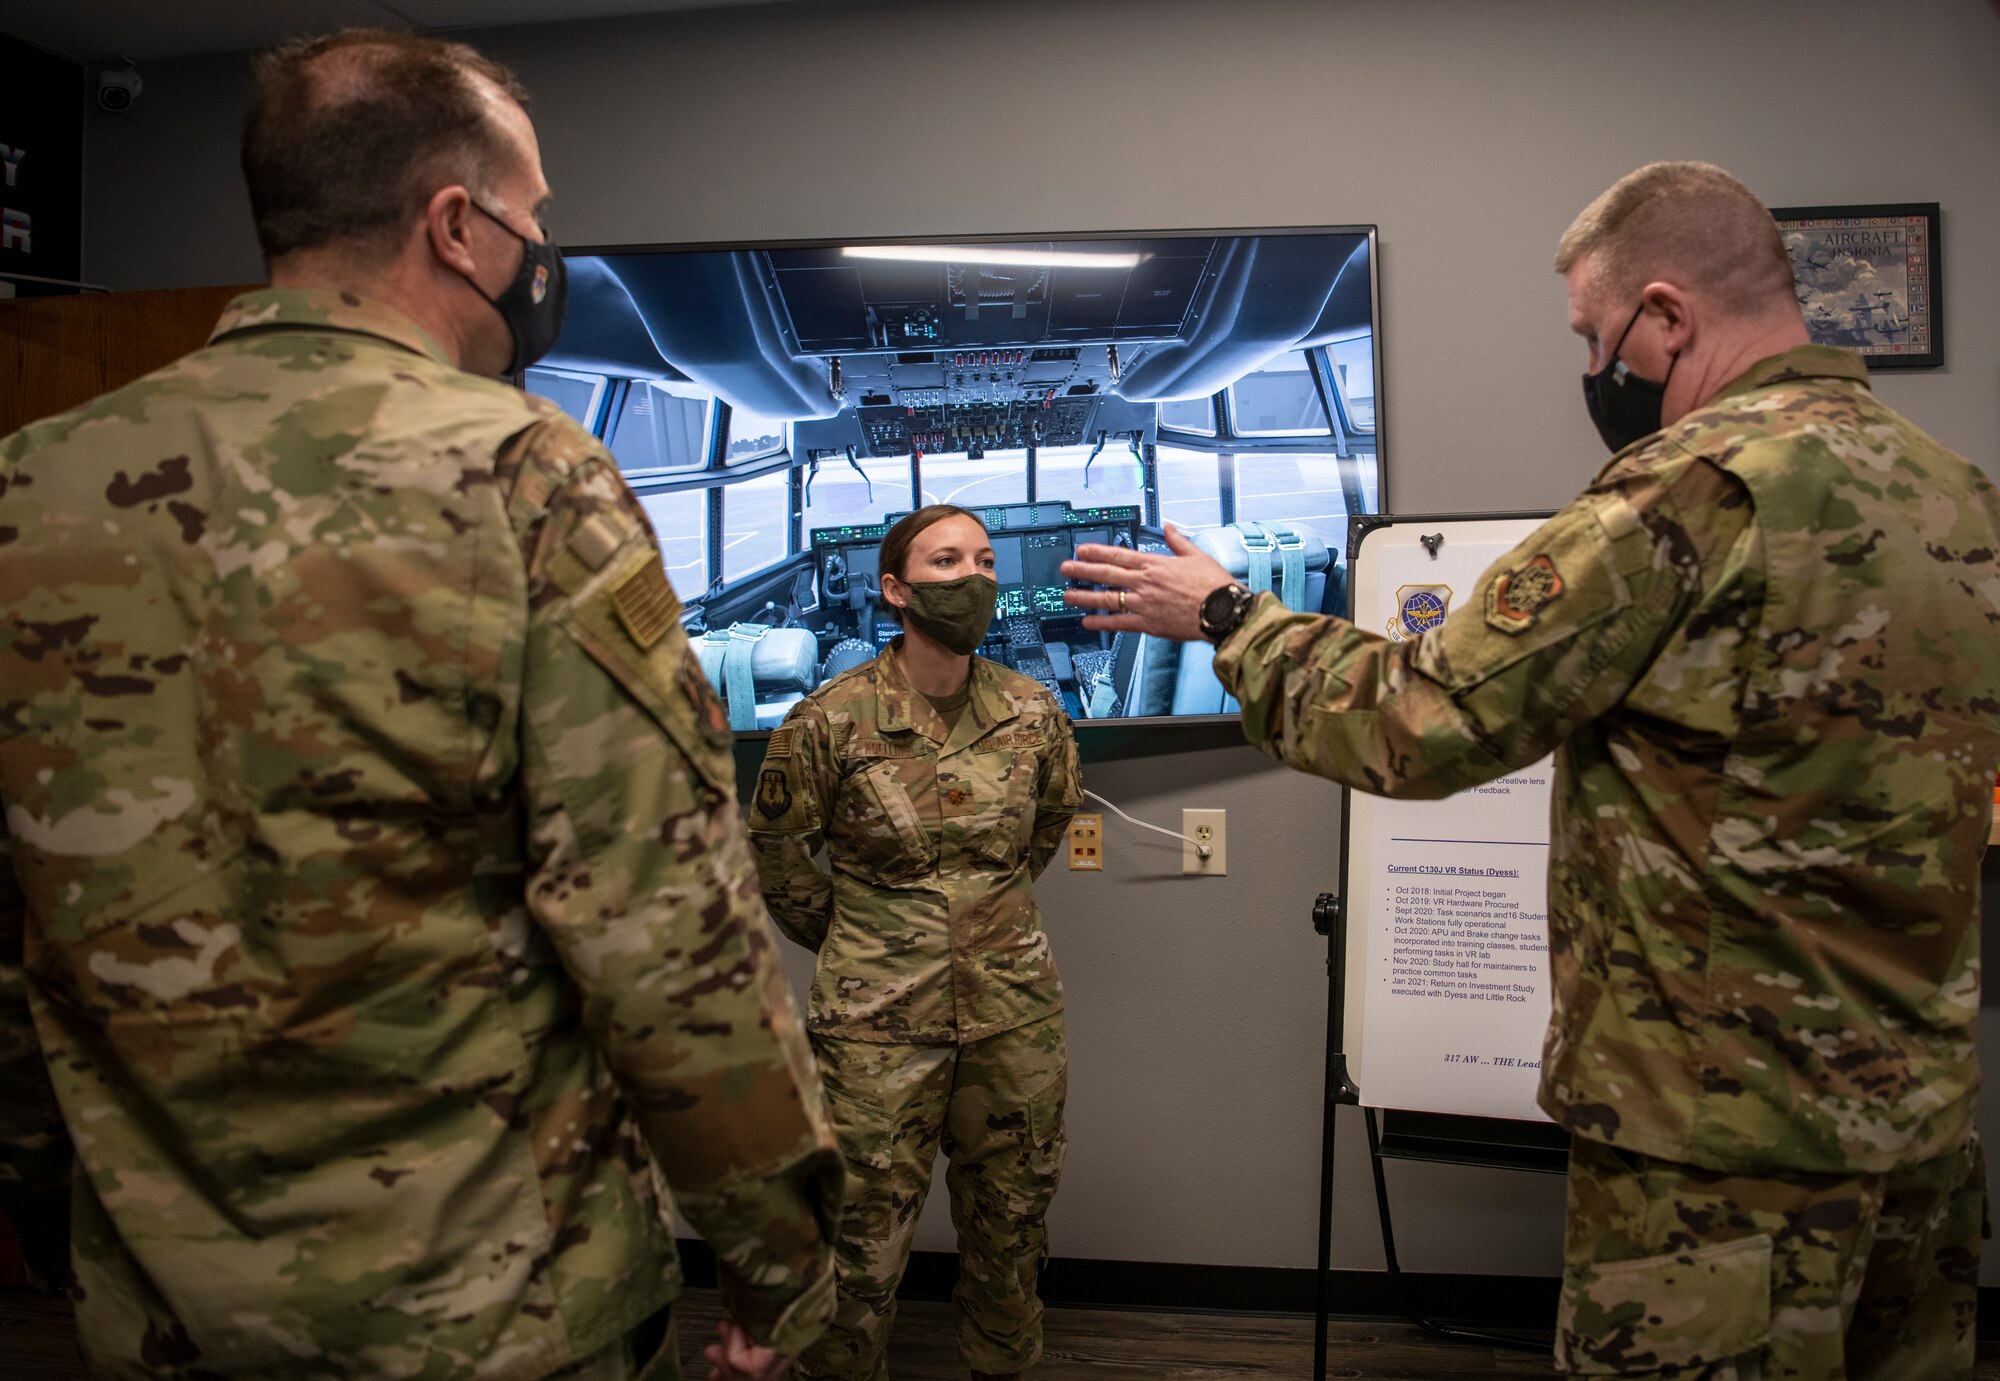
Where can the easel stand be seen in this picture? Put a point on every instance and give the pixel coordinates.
(1330, 920)
(1447, 543)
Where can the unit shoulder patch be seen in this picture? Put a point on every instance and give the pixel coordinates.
(774, 794)
(1516, 598)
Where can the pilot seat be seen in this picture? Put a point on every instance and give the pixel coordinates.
(1140, 675)
(759, 671)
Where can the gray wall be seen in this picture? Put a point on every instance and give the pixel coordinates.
(1470, 132)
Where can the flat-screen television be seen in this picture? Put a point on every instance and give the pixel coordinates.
(777, 406)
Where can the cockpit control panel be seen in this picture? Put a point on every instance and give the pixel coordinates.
(943, 402)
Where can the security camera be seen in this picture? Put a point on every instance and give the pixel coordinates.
(117, 88)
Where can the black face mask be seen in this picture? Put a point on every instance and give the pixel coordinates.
(1625, 407)
(532, 305)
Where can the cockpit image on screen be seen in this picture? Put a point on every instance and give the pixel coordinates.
(776, 408)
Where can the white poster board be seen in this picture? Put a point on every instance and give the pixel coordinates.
(1446, 962)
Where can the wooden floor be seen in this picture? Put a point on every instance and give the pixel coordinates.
(38, 1343)
(1116, 1345)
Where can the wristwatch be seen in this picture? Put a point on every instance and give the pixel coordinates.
(1224, 610)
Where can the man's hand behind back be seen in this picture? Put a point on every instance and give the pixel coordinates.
(736, 1358)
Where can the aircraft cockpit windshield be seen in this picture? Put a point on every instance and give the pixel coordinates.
(776, 408)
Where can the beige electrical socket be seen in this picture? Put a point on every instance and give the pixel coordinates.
(1207, 827)
(1086, 844)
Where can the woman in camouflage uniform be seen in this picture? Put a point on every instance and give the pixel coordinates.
(941, 785)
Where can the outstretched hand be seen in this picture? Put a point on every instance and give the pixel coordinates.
(1149, 593)
(735, 1358)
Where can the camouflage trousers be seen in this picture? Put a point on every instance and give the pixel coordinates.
(996, 1108)
(650, 1352)
(1702, 1275)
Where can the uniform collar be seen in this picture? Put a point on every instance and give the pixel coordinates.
(1824, 362)
(900, 706)
(1799, 362)
(309, 309)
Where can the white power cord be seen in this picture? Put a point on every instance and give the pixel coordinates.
(1201, 850)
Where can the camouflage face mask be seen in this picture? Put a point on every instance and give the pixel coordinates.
(953, 613)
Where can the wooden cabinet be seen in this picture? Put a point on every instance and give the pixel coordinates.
(57, 352)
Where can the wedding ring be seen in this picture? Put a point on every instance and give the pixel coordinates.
(1121, 601)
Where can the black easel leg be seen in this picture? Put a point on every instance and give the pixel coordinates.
(1323, 1294)
(1436, 1330)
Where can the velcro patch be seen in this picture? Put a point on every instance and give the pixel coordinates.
(646, 603)
(1516, 598)
(596, 540)
(781, 742)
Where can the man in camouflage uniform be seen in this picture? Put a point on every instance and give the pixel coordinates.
(1762, 647)
(936, 1010)
(391, 934)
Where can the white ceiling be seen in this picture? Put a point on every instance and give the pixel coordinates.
(140, 29)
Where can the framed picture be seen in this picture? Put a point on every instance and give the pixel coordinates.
(1867, 279)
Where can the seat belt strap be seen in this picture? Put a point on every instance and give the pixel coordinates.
(1257, 548)
(1292, 555)
(741, 651)
(710, 650)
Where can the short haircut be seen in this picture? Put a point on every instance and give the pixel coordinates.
(1691, 224)
(348, 136)
(894, 554)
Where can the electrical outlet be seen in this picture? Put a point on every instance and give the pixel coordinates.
(1086, 844)
(1205, 827)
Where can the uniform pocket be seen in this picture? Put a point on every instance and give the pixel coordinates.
(866, 1134)
(877, 831)
(1045, 1110)
(1008, 822)
(1685, 1309)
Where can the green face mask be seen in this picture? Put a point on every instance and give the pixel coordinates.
(953, 613)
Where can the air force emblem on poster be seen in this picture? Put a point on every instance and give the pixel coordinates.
(1516, 598)
(1419, 609)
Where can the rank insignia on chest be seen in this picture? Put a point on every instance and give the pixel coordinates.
(1419, 609)
(646, 603)
(1516, 598)
(774, 794)
(956, 798)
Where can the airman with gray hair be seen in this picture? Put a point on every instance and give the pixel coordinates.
(1761, 647)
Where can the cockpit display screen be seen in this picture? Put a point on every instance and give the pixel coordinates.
(776, 407)
(1041, 567)
(1007, 560)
